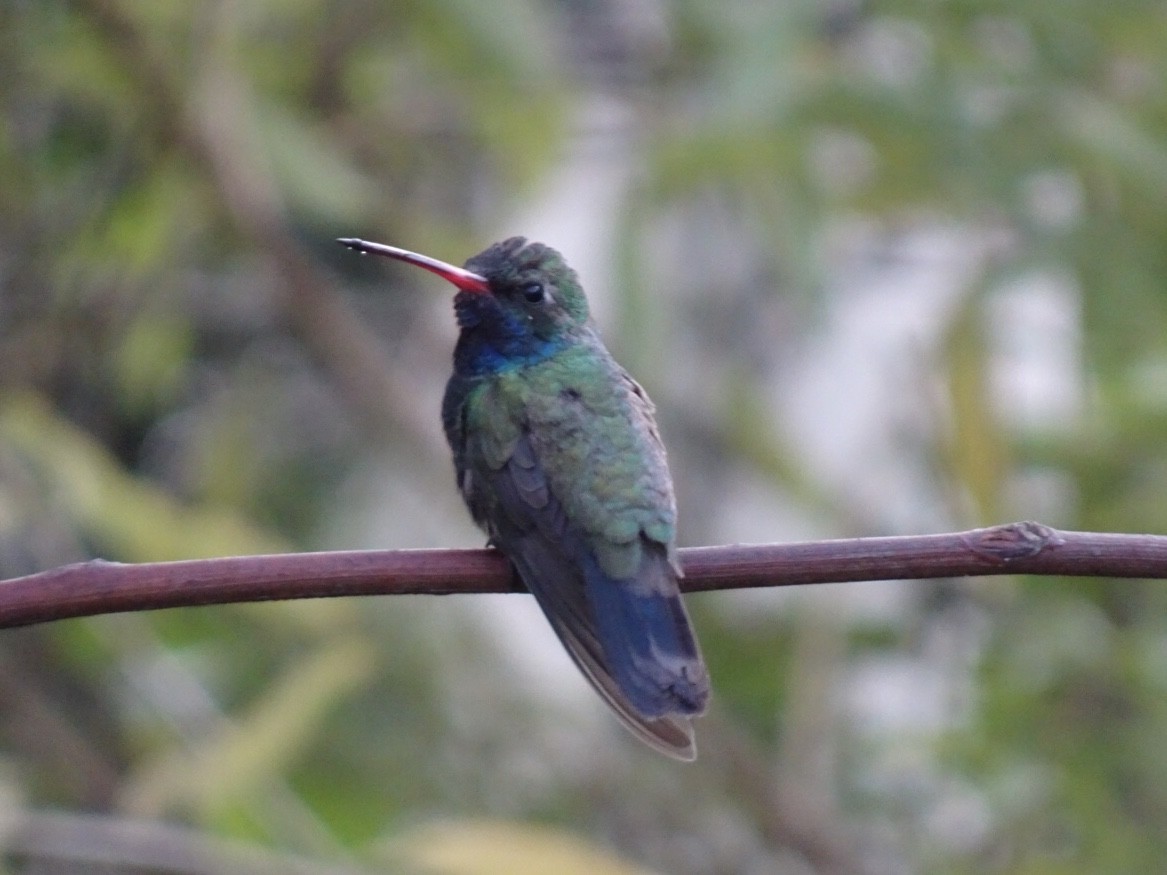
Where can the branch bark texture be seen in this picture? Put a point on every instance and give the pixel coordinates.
(99, 587)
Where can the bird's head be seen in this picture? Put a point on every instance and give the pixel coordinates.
(519, 299)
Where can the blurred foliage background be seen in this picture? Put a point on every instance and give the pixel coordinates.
(886, 266)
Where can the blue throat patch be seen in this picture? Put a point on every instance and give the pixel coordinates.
(482, 355)
(494, 339)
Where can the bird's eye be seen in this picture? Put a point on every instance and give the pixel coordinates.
(533, 292)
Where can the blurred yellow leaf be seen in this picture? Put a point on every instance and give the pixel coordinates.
(127, 515)
(501, 848)
(227, 769)
(152, 359)
(976, 447)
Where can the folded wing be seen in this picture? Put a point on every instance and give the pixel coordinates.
(630, 637)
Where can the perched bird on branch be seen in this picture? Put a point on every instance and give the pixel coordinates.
(560, 461)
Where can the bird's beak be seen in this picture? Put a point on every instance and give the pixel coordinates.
(460, 277)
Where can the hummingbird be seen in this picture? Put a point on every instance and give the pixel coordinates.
(559, 459)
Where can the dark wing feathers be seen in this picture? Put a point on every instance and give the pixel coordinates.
(647, 634)
(568, 613)
(527, 477)
(630, 638)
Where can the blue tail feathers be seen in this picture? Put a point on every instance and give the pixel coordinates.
(646, 637)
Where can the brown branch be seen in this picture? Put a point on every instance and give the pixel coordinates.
(98, 587)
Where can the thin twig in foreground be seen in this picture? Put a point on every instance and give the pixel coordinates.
(98, 587)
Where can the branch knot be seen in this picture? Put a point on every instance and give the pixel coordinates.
(1012, 541)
